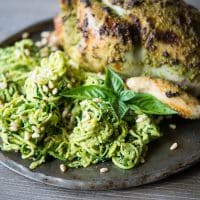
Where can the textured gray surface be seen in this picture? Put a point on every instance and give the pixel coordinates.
(17, 14)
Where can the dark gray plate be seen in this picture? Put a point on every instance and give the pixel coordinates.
(160, 161)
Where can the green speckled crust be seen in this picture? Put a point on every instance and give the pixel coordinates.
(136, 37)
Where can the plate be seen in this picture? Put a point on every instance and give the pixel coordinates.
(160, 161)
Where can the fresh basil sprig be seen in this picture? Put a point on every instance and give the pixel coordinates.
(121, 99)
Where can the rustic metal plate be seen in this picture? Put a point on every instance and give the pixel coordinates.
(160, 161)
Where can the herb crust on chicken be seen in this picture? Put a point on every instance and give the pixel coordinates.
(156, 38)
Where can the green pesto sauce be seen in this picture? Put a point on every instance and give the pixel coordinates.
(37, 122)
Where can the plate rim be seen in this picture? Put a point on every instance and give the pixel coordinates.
(92, 185)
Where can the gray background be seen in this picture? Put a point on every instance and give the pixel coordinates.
(17, 14)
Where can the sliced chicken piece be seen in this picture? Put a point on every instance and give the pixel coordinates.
(186, 105)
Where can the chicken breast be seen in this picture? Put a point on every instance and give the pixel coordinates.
(186, 105)
(157, 38)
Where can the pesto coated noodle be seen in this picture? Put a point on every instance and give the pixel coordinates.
(38, 122)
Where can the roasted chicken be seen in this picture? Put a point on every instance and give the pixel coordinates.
(156, 38)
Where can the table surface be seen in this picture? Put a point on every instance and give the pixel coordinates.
(15, 15)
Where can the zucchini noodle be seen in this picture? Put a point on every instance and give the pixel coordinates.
(15, 63)
(40, 124)
(42, 81)
(22, 54)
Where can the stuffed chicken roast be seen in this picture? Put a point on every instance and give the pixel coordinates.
(156, 38)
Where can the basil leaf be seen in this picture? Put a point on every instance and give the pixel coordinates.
(150, 105)
(114, 81)
(127, 95)
(90, 92)
(135, 108)
(122, 109)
